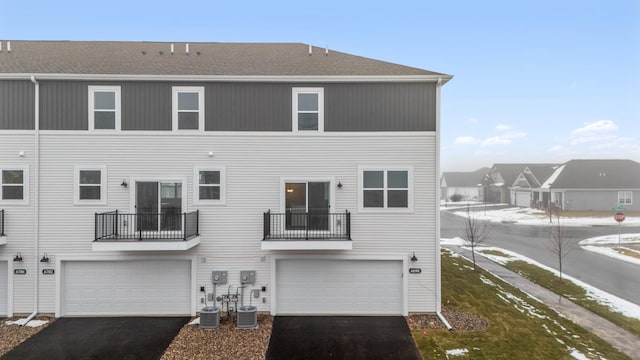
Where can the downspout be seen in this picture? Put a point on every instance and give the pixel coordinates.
(36, 199)
(437, 212)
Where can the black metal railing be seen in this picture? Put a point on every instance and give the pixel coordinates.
(311, 225)
(168, 225)
(2, 222)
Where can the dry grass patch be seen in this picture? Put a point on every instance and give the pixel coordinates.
(627, 252)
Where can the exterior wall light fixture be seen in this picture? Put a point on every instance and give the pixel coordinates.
(45, 258)
(413, 257)
(18, 257)
(124, 183)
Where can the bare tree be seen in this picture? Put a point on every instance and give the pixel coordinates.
(476, 232)
(558, 242)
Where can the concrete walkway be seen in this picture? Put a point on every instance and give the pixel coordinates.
(606, 330)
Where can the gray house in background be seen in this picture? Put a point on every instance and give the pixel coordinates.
(526, 190)
(592, 185)
(499, 181)
(466, 184)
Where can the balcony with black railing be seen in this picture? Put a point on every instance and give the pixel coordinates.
(306, 230)
(168, 230)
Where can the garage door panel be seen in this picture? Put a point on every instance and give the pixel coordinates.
(339, 287)
(151, 287)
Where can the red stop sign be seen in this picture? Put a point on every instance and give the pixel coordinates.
(619, 217)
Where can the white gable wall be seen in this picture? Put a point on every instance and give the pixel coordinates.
(231, 233)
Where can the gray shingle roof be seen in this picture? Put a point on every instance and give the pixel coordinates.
(155, 58)
(598, 174)
(510, 172)
(465, 179)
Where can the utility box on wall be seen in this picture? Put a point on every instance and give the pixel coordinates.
(247, 277)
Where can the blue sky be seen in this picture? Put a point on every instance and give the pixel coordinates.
(535, 81)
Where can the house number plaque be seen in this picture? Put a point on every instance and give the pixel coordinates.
(48, 271)
(20, 271)
(415, 270)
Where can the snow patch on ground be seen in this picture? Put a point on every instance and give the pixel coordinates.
(612, 240)
(528, 216)
(615, 303)
(456, 241)
(195, 321)
(457, 352)
(32, 323)
(577, 354)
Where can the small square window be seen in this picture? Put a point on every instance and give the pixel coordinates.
(209, 186)
(14, 185)
(90, 185)
(104, 107)
(385, 189)
(308, 109)
(625, 197)
(188, 108)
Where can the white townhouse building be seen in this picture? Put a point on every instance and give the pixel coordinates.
(132, 171)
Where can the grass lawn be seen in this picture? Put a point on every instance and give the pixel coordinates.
(574, 293)
(628, 252)
(518, 327)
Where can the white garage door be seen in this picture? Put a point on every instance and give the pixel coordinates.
(523, 199)
(353, 287)
(4, 287)
(145, 287)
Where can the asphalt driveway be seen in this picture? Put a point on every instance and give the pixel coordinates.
(101, 338)
(341, 337)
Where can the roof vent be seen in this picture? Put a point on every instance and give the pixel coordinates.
(0, 45)
(326, 51)
(171, 48)
(186, 48)
(310, 50)
(8, 46)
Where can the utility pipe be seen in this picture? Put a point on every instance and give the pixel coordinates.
(36, 199)
(444, 321)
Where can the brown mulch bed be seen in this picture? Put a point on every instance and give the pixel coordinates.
(459, 320)
(13, 335)
(225, 342)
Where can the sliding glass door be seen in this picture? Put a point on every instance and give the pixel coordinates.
(159, 205)
(307, 205)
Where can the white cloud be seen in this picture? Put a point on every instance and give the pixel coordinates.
(514, 135)
(591, 139)
(473, 120)
(599, 126)
(557, 149)
(496, 140)
(502, 127)
(466, 140)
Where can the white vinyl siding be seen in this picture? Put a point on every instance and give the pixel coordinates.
(14, 185)
(104, 108)
(254, 166)
(139, 287)
(209, 185)
(308, 109)
(90, 185)
(188, 108)
(625, 197)
(4, 288)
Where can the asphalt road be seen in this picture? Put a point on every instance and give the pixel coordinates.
(613, 276)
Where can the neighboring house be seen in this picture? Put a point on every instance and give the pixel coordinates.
(466, 184)
(595, 185)
(133, 170)
(498, 181)
(526, 189)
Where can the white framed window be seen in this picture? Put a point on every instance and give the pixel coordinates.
(188, 108)
(90, 185)
(209, 185)
(14, 185)
(625, 197)
(308, 109)
(385, 189)
(104, 108)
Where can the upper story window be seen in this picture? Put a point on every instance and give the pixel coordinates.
(625, 197)
(382, 188)
(14, 185)
(90, 185)
(209, 185)
(188, 108)
(308, 109)
(104, 107)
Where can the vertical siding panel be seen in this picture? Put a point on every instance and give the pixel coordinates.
(16, 105)
(63, 105)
